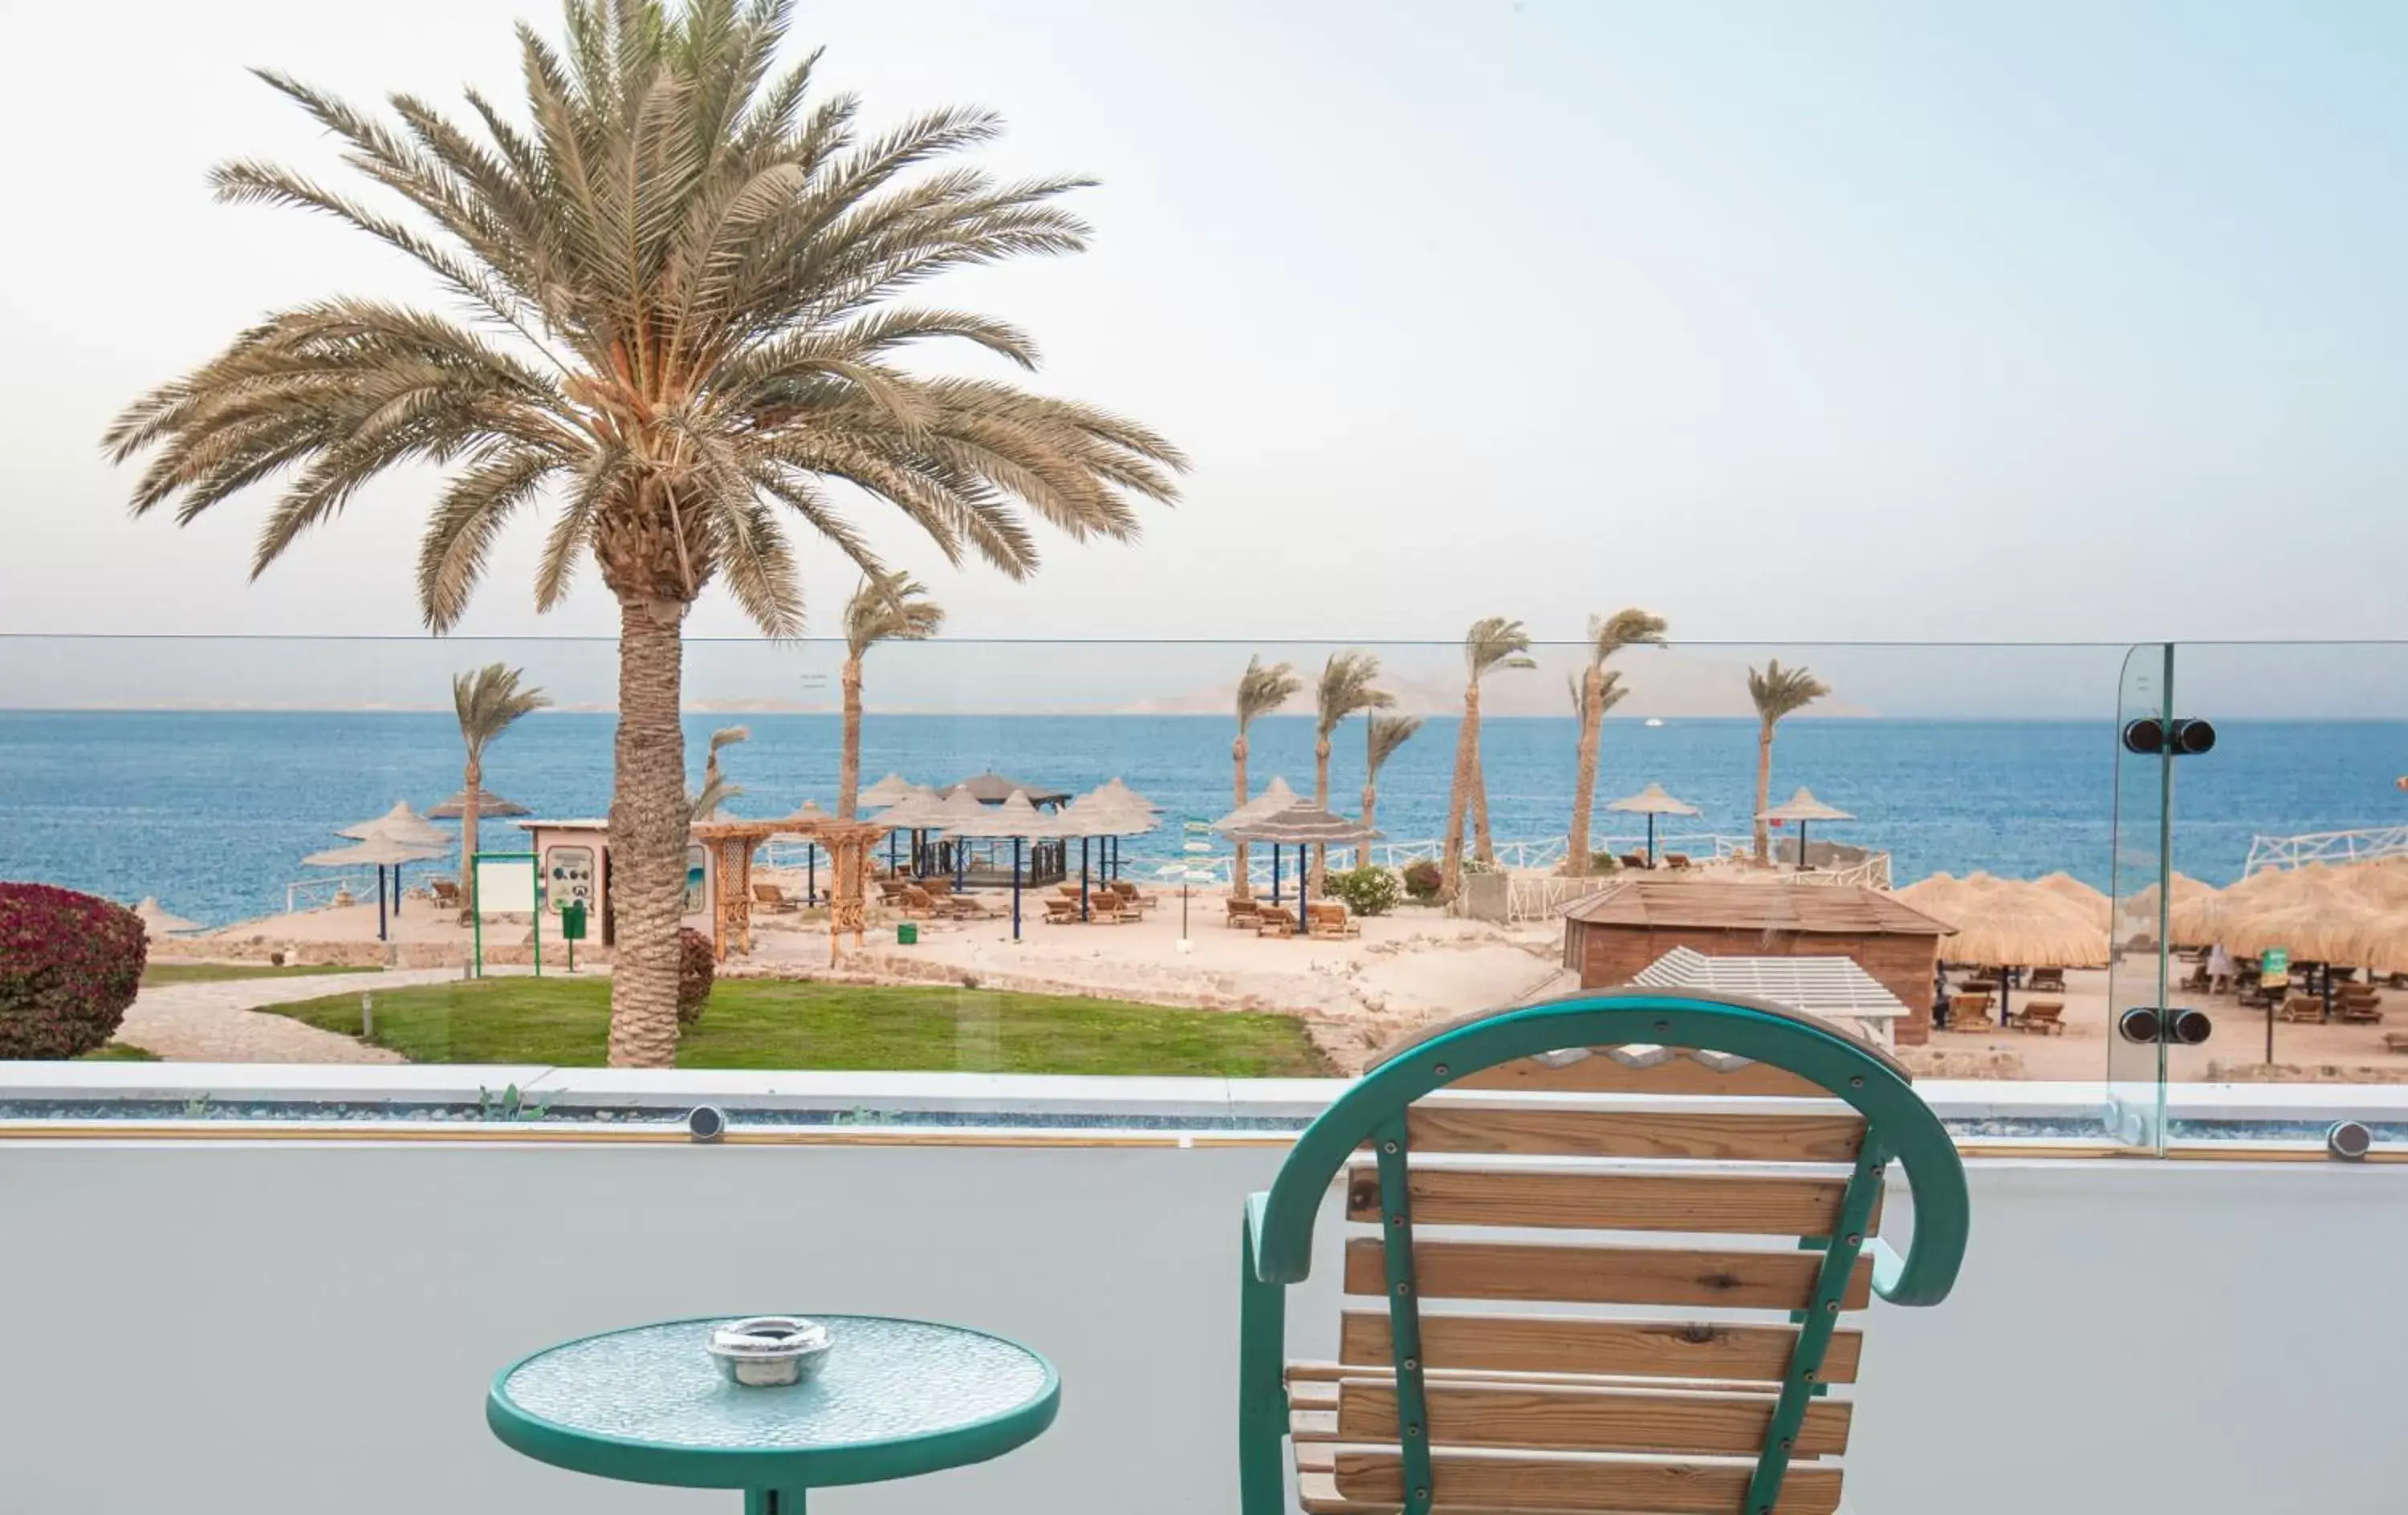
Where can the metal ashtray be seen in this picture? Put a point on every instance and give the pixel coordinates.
(768, 1351)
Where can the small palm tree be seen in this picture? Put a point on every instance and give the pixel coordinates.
(1345, 688)
(488, 702)
(671, 301)
(715, 790)
(1260, 690)
(1381, 735)
(1491, 644)
(1777, 692)
(1607, 636)
(887, 607)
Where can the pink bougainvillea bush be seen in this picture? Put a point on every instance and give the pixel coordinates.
(69, 965)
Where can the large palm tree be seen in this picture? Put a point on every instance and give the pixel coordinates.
(1607, 636)
(1345, 688)
(1777, 692)
(669, 304)
(716, 791)
(889, 607)
(1381, 735)
(1260, 690)
(1493, 643)
(488, 702)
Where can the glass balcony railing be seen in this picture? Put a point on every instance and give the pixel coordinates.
(1981, 788)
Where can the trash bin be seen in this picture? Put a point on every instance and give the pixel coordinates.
(908, 934)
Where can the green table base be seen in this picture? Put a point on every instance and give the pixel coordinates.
(895, 1398)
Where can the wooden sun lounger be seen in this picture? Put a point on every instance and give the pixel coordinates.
(1245, 913)
(2358, 1013)
(1678, 861)
(2046, 980)
(2301, 1008)
(1635, 860)
(2395, 1041)
(1062, 912)
(916, 903)
(1332, 921)
(445, 892)
(1275, 923)
(773, 899)
(2042, 1017)
(1968, 1009)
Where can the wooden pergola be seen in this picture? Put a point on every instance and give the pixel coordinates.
(733, 844)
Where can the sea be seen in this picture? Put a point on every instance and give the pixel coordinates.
(211, 813)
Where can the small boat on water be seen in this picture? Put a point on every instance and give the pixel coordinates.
(1655, 721)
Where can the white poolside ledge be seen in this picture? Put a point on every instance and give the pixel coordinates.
(1046, 1097)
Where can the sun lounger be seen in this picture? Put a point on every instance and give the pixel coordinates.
(1635, 860)
(2359, 1012)
(1332, 921)
(2395, 1041)
(2041, 1017)
(917, 903)
(1967, 1010)
(773, 899)
(447, 893)
(1245, 913)
(1678, 861)
(1275, 923)
(2300, 1008)
(2046, 980)
(1062, 912)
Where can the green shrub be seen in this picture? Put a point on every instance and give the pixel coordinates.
(1482, 864)
(1604, 862)
(1422, 879)
(69, 966)
(1366, 891)
(696, 969)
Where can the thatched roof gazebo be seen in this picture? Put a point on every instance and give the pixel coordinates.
(992, 788)
(1018, 820)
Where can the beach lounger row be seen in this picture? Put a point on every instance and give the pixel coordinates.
(1324, 920)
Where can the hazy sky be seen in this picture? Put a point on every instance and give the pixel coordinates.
(1799, 320)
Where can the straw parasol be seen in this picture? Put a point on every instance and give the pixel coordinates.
(1118, 792)
(2093, 902)
(1299, 825)
(1109, 812)
(992, 788)
(886, 791)
(1276, 796)
(1019, 820)
(379, 853)
(2187, 917)
(490, 807)
(158, 921)
(1799, 809)
(2014, 923)
(1652, 802)
(399, 825)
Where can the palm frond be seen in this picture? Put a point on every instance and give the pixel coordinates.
(890, 606)
(1382, 735)
(1262, 690)
(487, 701)
(1609, 634)
(1780, 692)
(1345, 688)
(1496, 642)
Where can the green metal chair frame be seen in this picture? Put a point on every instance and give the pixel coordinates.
(1277, 1235)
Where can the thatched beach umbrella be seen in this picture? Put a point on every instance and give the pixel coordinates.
(886, 791)
(1102, 813)
(2091, 902)
(992, 788)
(1276, 796)
(1300, 826)
(2014, 924)
(1115, 793)
(379, 853)
(490, 806)
(1652, 802)
(1799, 809)
(158, 921)
(915, 812)
(399, 825)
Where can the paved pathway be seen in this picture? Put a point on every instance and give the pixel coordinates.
(215, 1022)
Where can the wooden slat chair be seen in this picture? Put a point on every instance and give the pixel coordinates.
(1762, 1123)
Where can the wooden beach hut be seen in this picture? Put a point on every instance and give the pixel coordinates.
(1611, 937)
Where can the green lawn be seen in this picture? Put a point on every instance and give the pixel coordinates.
(762, 1023)
(210, 972)
(118, 1052)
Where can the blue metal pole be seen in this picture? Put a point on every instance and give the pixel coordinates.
(1275, 877)
(1083, 877)
(1015, 889)
(381, 902)
(812, 873)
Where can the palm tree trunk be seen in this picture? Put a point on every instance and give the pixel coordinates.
(649, 835)
(1321, 797)
(1238, 887)
(1370, 811)
(1466, 747)
(848, 773)
(1763, 787)
(473, 779)
(1483, 846)
(1585, 782)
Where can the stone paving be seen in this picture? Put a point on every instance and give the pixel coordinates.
(216, 1022)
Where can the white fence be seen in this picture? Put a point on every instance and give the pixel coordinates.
(309, 894)
(2326, 847)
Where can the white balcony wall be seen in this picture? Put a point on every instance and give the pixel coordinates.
(286, 1328)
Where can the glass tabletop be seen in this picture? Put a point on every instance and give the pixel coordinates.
(895, 1397)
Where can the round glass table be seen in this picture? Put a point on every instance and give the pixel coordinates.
(648, 1405)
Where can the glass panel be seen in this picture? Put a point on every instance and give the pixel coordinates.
(2136, 963)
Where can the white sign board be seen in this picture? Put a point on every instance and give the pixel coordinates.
(504, 886)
